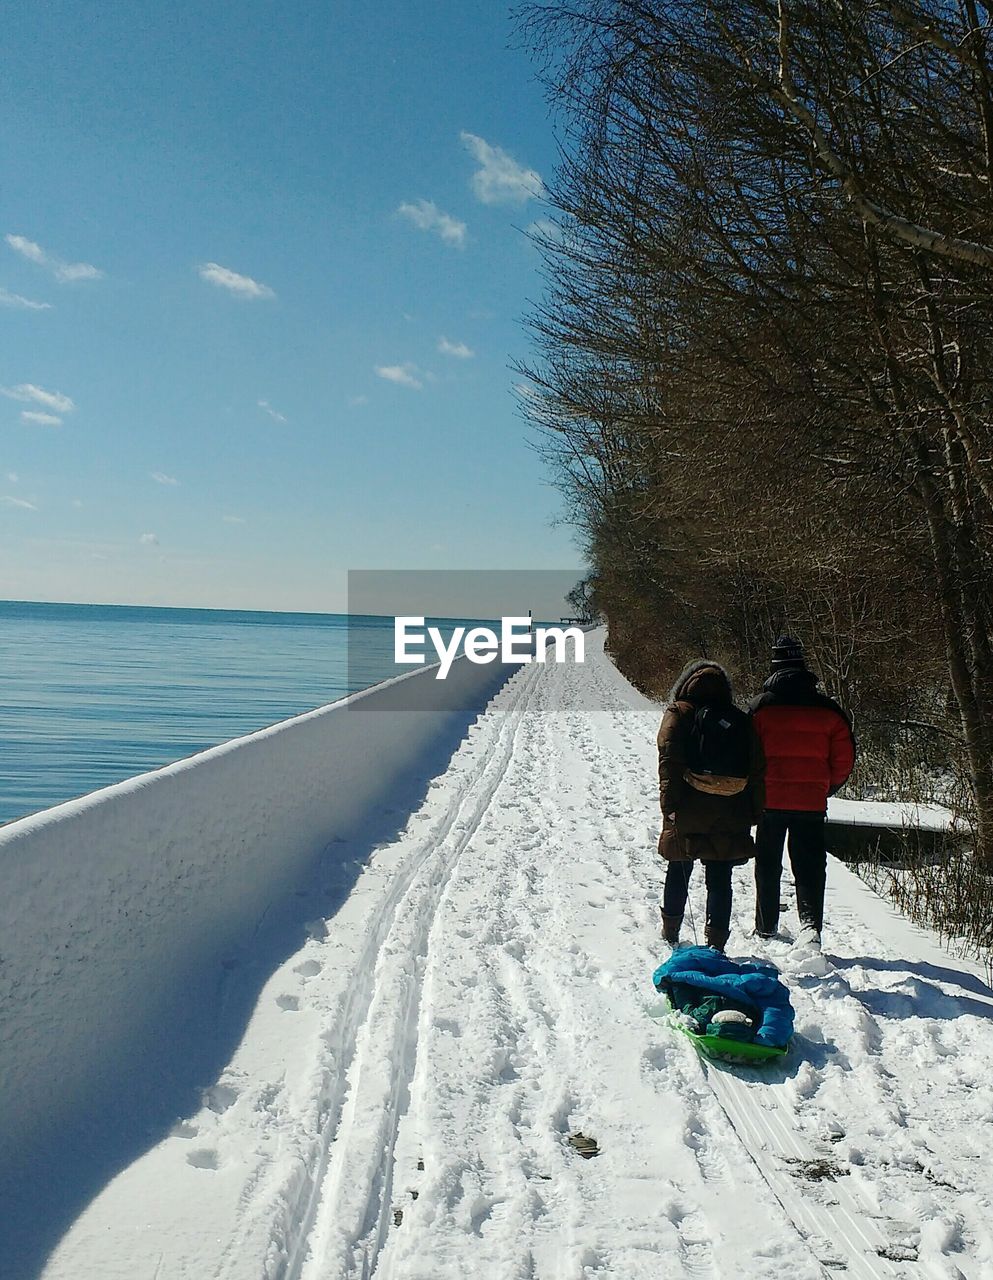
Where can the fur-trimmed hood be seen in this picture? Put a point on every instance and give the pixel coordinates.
(702, 680)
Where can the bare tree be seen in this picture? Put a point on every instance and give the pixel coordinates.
(765, 380)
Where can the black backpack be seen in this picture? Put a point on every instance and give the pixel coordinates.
(719, 742)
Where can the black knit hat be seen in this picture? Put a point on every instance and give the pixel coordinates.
(787, 654)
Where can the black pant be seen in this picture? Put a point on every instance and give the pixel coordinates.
(807, 857)
(677, 886)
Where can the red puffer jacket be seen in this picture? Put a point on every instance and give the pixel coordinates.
(807, 739)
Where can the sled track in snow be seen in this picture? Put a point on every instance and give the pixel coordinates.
(844, 1235)
(343, 1212)
(844, 1229)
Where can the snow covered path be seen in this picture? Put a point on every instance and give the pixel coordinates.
(401, 1103)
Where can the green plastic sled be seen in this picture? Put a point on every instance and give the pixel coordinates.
(726, 1050)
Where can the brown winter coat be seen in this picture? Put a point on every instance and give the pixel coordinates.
(698, 824)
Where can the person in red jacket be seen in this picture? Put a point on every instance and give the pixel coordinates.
(809, 751)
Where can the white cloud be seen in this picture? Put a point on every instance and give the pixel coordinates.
(64, 272)
(27, 249)
(13, 477)
(355, 401)
(500, 179)
(234, 520)
(457, 349)
(8, 299)
(68, 271)
(160, 477)
(28, 393)
(149, 540)
(18, 502)
(42, 419)
(405, 375)
(276, 416)
(426, 215)
(240, 286)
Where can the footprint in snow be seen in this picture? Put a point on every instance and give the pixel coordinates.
(806, 1082)
(219, 1097)
(290, 1003)
(480, 1211)
(308, 969)
(183, 1129)
(203, 1158)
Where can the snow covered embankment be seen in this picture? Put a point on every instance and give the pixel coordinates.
(126, 915)
(400, 1104)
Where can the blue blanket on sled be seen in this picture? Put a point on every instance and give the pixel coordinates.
(748, 984)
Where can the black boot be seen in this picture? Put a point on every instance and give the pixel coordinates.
(670, 928)
(716, 938)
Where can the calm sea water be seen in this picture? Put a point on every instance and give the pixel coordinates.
(93, 694)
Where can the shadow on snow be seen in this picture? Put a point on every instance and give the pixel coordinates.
(919, 996)
(185, 1047)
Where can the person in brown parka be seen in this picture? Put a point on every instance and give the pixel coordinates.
(707, 816)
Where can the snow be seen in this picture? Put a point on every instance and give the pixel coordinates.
(888, 813)
(138, 923)
(400, 1101)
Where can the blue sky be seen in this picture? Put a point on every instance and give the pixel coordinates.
(262, 275)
